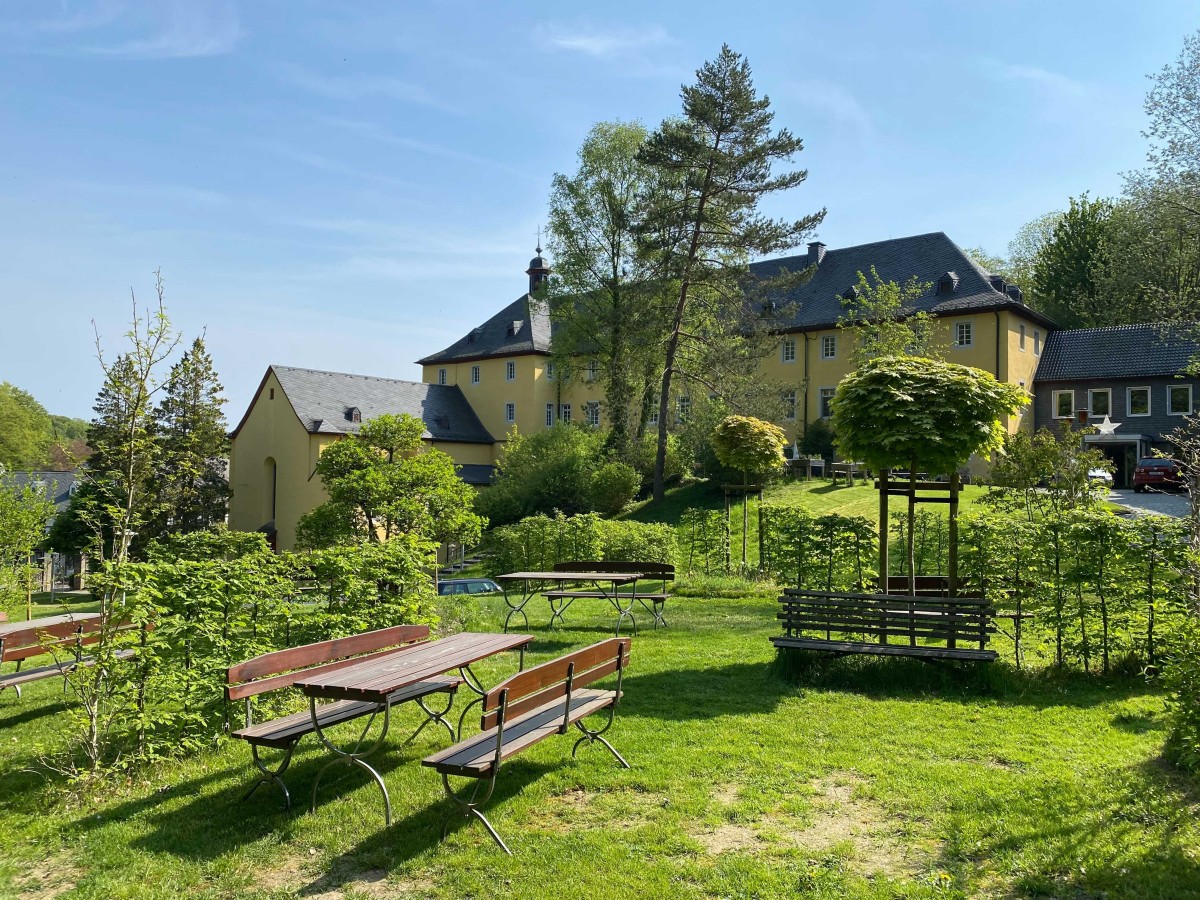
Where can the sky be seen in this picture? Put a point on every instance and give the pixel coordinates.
(352, 186)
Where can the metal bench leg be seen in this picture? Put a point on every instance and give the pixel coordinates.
(655, 609)
(514, 608)
(433, 715)
(594, 737)
(474, 684)
(557, 609)
(268, 776)
(354, 757)
(469, 808)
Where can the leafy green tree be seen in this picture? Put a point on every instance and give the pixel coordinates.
(921, 413)
(881, 319)
(384, 482)
(1042, 473)
(1069, 269)
(750, 445)
(1023, 252)
(1173, 106)
(190, 428)
(603, 295)
(24, 514)
(24, 429)
(997, 265)
(715, 164)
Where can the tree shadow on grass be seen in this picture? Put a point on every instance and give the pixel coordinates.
(11, 717)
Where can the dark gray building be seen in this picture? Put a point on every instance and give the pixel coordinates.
(1132, 374)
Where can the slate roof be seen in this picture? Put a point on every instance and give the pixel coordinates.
(59, 485)
(475, 473)
(322, 400)
(521, 327)
(928, 257)
(1118, 351)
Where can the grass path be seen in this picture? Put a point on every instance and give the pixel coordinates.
(849, 778)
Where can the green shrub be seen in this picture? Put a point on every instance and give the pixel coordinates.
(1183, 705)
(614, 486)
(538, 543)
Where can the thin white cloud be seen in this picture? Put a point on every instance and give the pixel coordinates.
(835, 101)
(69, 18)
(1055, 82)
(325, 164)
(374, 132)
(602, 43)
(170, 193)
(357, 86)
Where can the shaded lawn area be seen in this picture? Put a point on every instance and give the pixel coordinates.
(850, 777)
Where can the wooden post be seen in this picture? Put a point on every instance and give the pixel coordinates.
(952, 535)
(883, 531)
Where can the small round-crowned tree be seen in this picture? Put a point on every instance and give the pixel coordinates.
(751, 445)
(925, 414)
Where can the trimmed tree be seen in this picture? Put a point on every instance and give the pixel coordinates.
(752, 446)
(921, 413)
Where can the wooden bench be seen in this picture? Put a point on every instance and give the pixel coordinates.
(67, 638)
(652, 601)
(283, 668)
(526, 709)
(887, 624)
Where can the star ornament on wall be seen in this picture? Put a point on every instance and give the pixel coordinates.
(1107, 427)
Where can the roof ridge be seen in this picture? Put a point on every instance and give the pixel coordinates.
(352, 375)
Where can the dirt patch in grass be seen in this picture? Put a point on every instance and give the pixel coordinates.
(50, 878)
(339, 884)
(726, 838)
(576, 808)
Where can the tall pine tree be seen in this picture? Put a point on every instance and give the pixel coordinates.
(716, 165)
(193, 445)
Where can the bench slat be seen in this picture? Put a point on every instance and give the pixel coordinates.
(548, 673)
(884, 649)
(475, 756)
(324, 651)
(53, 669)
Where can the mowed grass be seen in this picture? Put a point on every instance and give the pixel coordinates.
(821, 778)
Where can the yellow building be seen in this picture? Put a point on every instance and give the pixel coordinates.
(500, 375)
(296, 413)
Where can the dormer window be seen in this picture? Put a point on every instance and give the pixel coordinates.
(354, 414)
(442, 422)
(948, 283)
(513, 328)
(474, 333)
(850, 293)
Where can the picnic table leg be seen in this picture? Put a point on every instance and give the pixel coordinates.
(655, 609)
(268, 775)
(354, 757)
(558, 606)
(471, 680)
(623, 612)
(432, 715)
(513, 609)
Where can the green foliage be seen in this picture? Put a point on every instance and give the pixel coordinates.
(538, 543)
(818, 439)
(1042, 473)
(24, 429)
(383, 482)
(828, 553)
(24, 513)
(704, 541)
(750, 445)
(602, 295)
(561, 468)
(714, 164)
(1183, 707)
(923, 413)
(1069, 267)
(882, 319)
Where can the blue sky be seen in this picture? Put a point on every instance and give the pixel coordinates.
(350, 186)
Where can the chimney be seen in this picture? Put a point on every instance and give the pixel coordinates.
(816, 253)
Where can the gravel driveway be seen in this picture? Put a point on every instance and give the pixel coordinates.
(1162, 503)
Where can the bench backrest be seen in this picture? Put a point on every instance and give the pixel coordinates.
(283, 668)
(884, 616)
(654, 570)
(530, 689)
(38, 639)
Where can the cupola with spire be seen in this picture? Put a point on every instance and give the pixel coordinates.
(538, 271)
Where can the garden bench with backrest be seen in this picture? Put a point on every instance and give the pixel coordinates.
(652, 600)
(528, 708)
(61, 637)
(887, 624)
(283, 668)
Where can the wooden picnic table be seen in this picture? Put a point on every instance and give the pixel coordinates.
(46, 621)
(377, 677)
(534, 582)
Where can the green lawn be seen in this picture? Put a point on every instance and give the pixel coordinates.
(851, 778)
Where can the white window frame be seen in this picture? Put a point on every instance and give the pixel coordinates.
(510, 413)
(564, 412)
(683, 409)
(549, 371)
(510, 371)
(593, 370)
(549, 415)
(1191, 399)
(652, 419)
(1055, 410)
(789, 411)
(474, 374)
(1092, 392)
(829, 346)
(591, 413)
(787, 350)
(1129, 401)
(1021, 338)
(824, 397)
(970, 328)
(441, 376)
(1037, 342)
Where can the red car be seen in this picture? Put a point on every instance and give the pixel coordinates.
(1155, 472)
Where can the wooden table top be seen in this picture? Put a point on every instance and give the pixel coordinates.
(374, 679)
(45, 621)
(613, 577)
